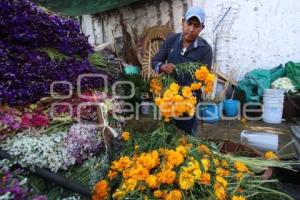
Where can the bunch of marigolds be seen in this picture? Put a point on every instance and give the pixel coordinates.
(176, 101)
(174, 174)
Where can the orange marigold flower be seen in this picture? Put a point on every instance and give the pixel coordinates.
(186, 180)
(222, 172)
(182, 150)
(129, 185)
(201, 73)
(270, 155)
(174, 157)
(208, 89)
(101, 190)
(196, 86)
(216, 162)
(166, 177)
(204, 149)
(241, 167)
(220, 192)
(174, 195)
(123, 163)
(222, 181)
(158, 194)
(205, 178)
(140, 173)
(205, 163)
(238, 197)
(112, 174)
(155, 86)
(149, 160)
(209, 79)
(224, 163)
(187, 92)
(152, 182)
(125, 136)
(174, 87)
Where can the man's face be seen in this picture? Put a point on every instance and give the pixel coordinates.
(191, 29)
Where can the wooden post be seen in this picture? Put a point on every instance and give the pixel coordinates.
(106, 134)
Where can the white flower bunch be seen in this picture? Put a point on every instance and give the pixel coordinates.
(39, 150)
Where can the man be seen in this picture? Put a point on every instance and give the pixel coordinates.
(185, 47)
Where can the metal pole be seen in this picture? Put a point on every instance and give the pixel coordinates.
(55, 178)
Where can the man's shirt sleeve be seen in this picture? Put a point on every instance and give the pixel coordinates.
(160, 58)
(208, 58)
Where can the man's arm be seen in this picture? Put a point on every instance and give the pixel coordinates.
(160, 58)
(208, 58)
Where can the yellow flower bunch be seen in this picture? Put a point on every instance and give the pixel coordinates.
(176, 101)
(171, 173)
(173, 104)
(207, 78)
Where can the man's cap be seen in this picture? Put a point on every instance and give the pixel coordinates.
(195, 12)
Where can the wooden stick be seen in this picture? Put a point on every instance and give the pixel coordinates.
(116, 50)
(105, 133)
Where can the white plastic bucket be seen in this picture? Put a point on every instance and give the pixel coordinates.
(261, 140)
(273, 106)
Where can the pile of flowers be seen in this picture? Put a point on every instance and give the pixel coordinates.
(37, 48)
(189, 170)
(56, 151)
(14, 120)
(40, 115)
(176, 101)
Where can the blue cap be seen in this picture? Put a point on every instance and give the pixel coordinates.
(195, 12)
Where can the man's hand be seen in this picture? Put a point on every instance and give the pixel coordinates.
(168, 68)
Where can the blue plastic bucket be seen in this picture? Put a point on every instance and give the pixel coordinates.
(210, 113)
(130, 69)
(231, 107)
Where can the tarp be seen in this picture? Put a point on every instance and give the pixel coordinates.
(257, 80)
(81, 7)
(293, 73)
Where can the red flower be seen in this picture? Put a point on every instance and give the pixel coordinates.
(39, 120)
(26, 121)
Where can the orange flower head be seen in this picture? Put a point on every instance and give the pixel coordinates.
(202, 73)
(270, 155)
(125, 136)
(241, 167)
(174, 195)
(205, 179)
(101, 190)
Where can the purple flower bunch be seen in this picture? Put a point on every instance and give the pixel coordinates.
(12, 187)
(29, 25)
(82, 141)
(26, 70)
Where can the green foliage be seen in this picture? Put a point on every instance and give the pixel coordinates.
(181, 70)
(54, 54)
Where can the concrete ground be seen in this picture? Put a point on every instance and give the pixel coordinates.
(227, 130)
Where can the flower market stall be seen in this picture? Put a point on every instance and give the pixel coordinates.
(64, 136)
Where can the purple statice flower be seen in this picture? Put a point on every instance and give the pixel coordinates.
(26, 71)
(11, 186)
(82, 141)
(41, 197)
